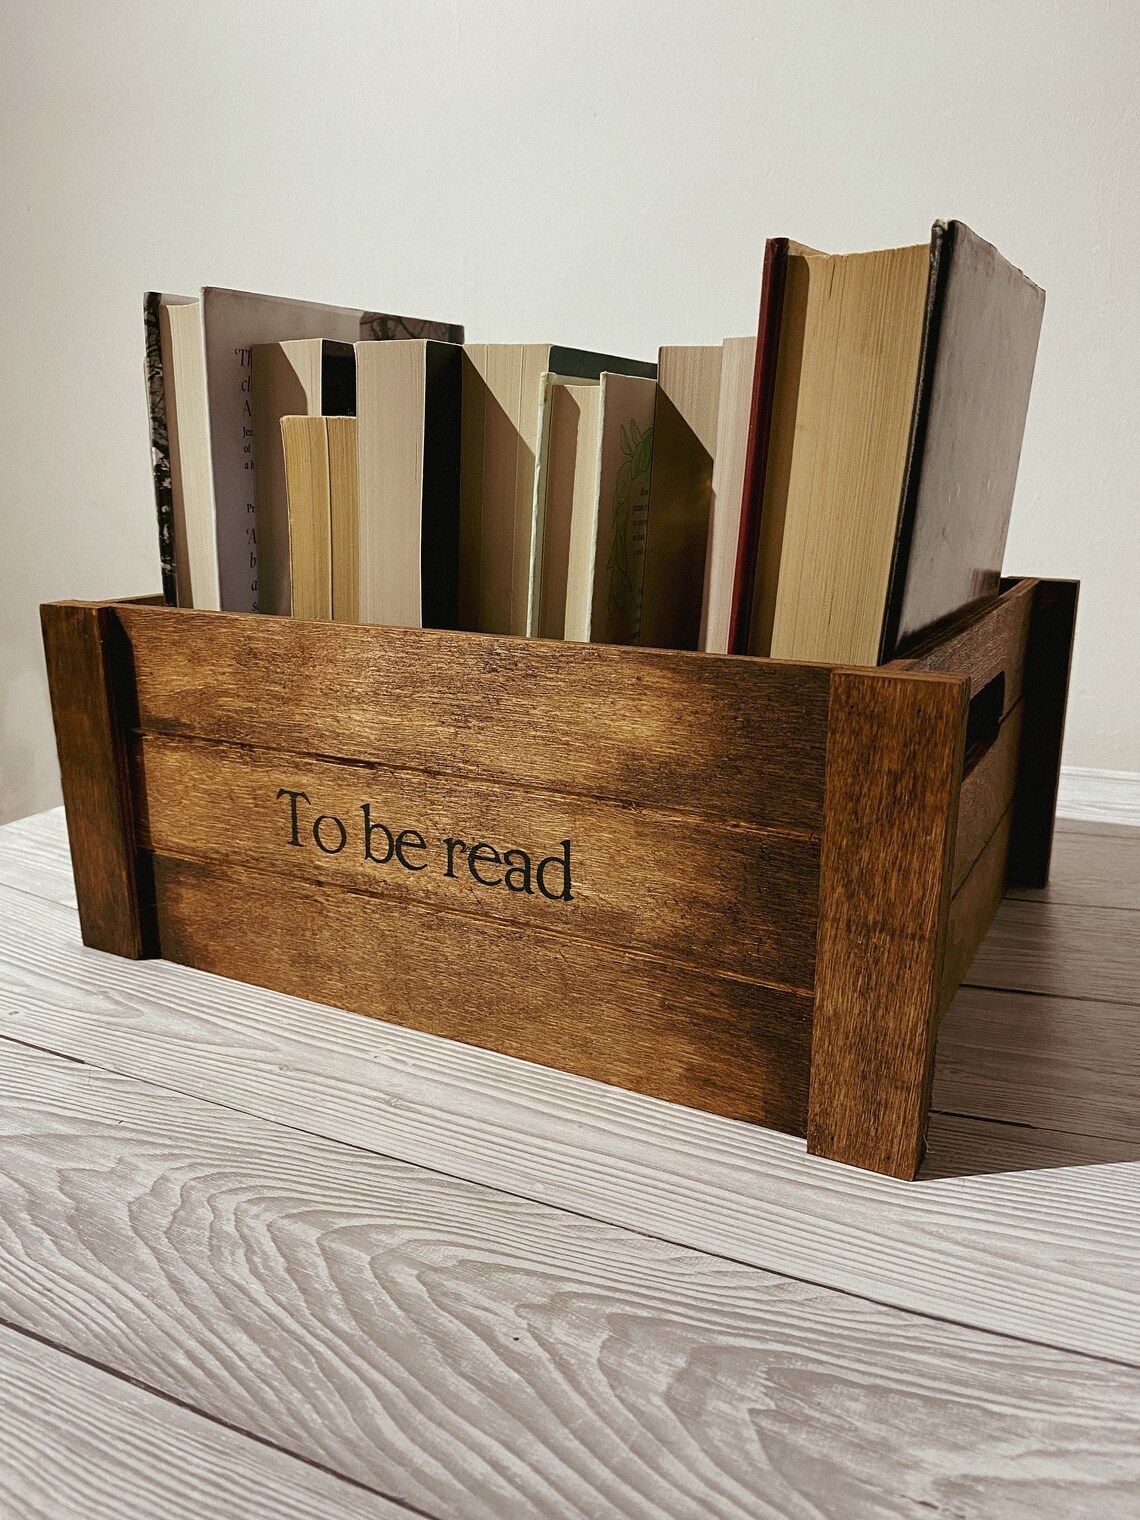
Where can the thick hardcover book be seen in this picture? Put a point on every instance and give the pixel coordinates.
(759, 432)
(893, 440)
(983, 321)
(408, 460)
(180, 450)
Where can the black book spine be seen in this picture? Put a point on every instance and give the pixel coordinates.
(439, 553)
(941, 251)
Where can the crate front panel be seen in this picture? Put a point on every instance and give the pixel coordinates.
(721, 1043)
(729, 898)
(730, 739)
(677, 958)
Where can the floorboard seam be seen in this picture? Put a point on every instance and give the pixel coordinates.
(249, 1435)
(1036, 1129)
(572, 1213)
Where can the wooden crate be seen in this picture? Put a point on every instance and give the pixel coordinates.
(751, 886)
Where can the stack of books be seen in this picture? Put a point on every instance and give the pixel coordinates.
(829, 490)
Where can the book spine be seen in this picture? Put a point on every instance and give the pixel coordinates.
(160, 446)
(941, 252)
(759, 434)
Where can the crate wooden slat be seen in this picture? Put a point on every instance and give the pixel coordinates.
(777, 872)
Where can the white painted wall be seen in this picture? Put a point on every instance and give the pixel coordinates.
(600, 174)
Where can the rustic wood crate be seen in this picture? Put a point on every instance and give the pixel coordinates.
(778, 872)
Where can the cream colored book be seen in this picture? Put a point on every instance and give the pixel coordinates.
(306, 462)
(734, 410)
(607, 559)
(408, 438)
(680, 494)
(850, 340)
(502, 389)
(191, 479)
(301, 377)
(343, 519)
(567, 467)
(901, 393)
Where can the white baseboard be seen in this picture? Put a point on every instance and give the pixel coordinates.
(1099, 796)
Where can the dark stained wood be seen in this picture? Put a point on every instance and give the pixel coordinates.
(724, 1044)
(726, 898)
(972, 909)
(715, 735)
(894, 758)
(989, 642)
(88, 681)
(987, 792)
(1046, 686)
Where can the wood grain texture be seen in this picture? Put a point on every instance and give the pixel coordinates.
(1046, 1248)
(1062, 950)
(474, 1353)
(972, 910)
(710, 735)
(724, 899)
(989, 642)
(674, 1031)
(77, 1443)
(961, 1145)
(986, 794)
(34, 857)
(87, 679)
(1055, 1063)
(894, 758)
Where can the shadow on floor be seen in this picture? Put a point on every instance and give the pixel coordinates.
(959, 1145)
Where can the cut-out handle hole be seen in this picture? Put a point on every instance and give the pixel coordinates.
(984, 719)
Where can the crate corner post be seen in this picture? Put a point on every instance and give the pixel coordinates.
(895, 751)
(1048, 658)
(90, 682)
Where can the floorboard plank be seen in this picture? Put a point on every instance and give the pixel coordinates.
(1098, 869)
(962, 1144)
(34, 857)
(1061, 950)
(1057, 1063)
(77, 1443)
(482, 1355)
(1048, 1252)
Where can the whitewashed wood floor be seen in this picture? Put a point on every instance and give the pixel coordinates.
(264, 1258)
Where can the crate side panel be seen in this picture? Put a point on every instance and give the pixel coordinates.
(989, 643)
(973, 908)
(723, 1044)
(89, 682)
(986, 795)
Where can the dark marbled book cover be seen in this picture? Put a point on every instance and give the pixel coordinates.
(160, 445)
